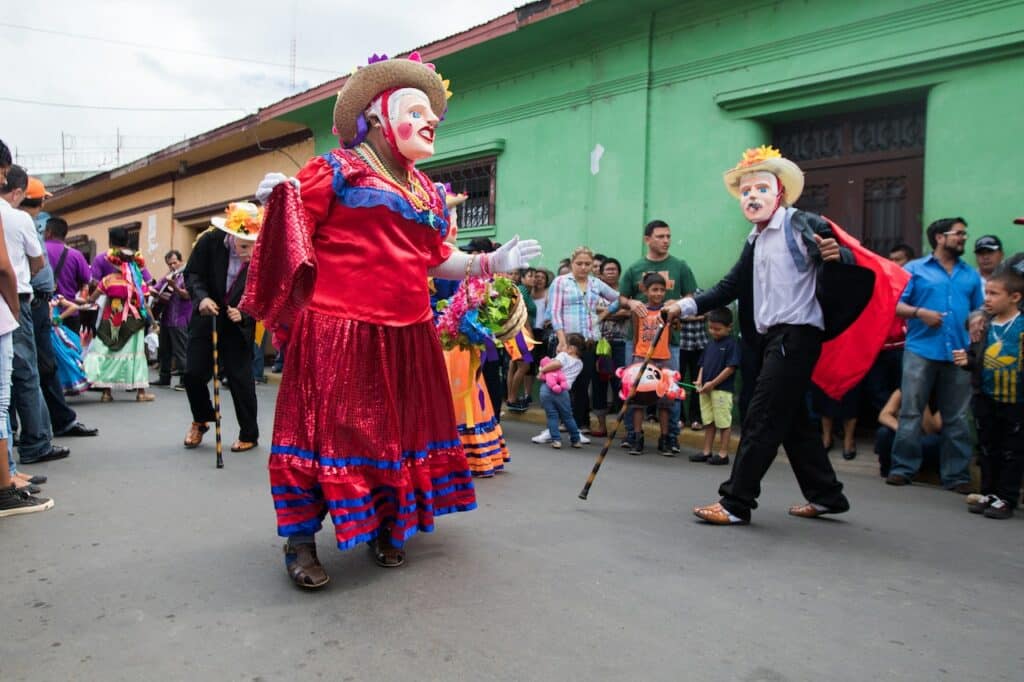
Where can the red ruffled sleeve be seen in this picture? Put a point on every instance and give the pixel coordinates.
(282, 273)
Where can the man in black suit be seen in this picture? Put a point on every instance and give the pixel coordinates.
(797, 287)
(215, 277)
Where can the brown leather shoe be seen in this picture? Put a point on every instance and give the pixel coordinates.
(195, 434)
(717, 515)
(809, 511)
(243, 445)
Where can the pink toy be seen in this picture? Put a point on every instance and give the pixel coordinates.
(654, 384)
(556, 380)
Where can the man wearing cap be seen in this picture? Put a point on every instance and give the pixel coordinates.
(942, 292)
(988, 254)
(26, 254)
(798, 287)
(215, 276)
(364, 428)
(63, 419)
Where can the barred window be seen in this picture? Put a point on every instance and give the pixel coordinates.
(478, 179)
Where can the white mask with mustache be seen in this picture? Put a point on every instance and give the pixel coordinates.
(759, 196)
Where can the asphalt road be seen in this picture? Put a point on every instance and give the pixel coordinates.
(154, 565)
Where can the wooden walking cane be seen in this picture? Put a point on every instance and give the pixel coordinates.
(622, 412)
(216, 399)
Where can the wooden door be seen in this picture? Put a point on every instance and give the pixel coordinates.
(864, 170)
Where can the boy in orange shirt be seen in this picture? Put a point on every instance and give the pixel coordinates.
(645, 330)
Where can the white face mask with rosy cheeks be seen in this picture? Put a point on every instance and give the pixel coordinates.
(759, 196)
(412, 122)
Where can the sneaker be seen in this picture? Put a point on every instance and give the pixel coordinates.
(700, 457)
(542, 437)
(673, 444)
(981, 504)
(999, 509)
(516, 405)
(556, 444)
(663, 446)
(584, 439)
(179, 387)
(638, 446)
(13, 502)
(577, 444)
(627, 443)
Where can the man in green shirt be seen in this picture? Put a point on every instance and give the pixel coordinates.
(680, 282)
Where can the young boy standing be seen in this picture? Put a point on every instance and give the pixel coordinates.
(559, 405)
(645, 331)
(999, 402)
(715, 382)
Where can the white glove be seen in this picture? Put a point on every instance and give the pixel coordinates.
(514, 254)
(269, 182)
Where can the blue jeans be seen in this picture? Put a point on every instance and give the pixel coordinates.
(558, 406)
(952, 386)
(6, 360)
(675, 413)
(26, 396)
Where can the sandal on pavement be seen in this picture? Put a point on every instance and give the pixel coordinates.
(384, 553)
(144, 397)
(195, 434)
(809, 510)
(303, 566)
(243, 445)
(696, 426)
(107, 397)
(718, 515)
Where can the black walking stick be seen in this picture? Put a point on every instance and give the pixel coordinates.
(216, 399)
(622, 413)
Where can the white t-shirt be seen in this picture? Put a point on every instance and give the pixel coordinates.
(22, 243)
(571, 367)
(542, 310)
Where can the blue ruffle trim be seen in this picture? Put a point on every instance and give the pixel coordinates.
(368, 197)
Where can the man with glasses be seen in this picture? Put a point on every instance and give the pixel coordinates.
(942, 292)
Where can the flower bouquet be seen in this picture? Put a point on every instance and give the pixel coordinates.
(482, 311)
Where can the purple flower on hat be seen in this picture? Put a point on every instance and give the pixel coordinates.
(376, 58)
(362, 130)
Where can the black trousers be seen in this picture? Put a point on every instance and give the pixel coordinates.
(689, 366)
(173, 345)
(1000, 429)
(235, 362)
(580, 390)
(62, 417)
(777, 415)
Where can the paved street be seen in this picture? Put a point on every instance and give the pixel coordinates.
(156, 566)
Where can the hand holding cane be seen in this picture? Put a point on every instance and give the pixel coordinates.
(622, 412)
(216, 399)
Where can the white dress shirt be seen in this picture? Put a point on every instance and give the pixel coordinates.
(785, 279)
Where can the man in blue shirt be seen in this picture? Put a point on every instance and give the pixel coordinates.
(942, 292)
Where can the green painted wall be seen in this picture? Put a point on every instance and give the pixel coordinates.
(674, 91)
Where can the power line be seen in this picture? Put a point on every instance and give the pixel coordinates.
(143, 46)
(112, 108)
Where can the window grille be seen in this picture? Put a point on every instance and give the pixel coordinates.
(478, 179)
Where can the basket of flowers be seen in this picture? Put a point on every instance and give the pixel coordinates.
(481, 312)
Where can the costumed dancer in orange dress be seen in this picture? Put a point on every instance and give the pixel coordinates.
(480, 432)
(364, 428)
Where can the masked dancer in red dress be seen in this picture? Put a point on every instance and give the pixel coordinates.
(364, 428)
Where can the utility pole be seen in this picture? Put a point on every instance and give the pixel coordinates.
(117, 153)
(291, 60)
(63, 161)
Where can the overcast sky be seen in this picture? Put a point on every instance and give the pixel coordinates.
(57, 67)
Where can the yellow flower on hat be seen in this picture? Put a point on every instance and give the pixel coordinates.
(756, 155)
(447, 87)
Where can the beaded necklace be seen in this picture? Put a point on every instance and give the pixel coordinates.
(413, 190)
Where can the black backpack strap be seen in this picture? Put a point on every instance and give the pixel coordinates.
(60, 265)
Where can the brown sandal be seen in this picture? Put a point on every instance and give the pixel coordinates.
(243, 445)
(303, 566)
(195, 434)
(717, 515)
(144, 397)
(106, 397)
(385, 554)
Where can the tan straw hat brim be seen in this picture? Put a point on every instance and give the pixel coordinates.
(788, 173)
(221, 224)
(369, 81)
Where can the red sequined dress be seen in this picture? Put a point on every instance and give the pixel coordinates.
(364, 428)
